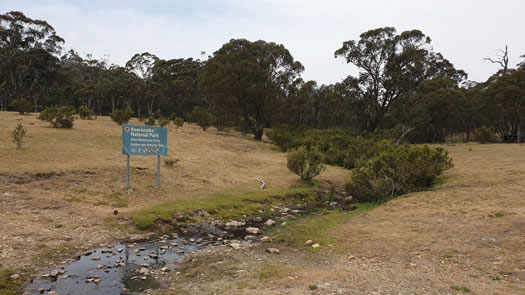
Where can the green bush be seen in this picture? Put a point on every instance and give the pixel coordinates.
(485, 135)
(202, 117)
(150, 121)
(178, 121)
(305, 162)
(18, 135)
(286, 138)
(121, 116)
(22, 105)
(398, 170)
(61, 117)
(163, 121)
(85, 113)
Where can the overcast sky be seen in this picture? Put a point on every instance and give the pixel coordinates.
(465, 31)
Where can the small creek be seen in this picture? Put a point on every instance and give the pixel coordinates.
(122, 269)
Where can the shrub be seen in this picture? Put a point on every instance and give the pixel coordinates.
(18, 135)
(484, 135)
(163, 121)
(305, 162)
(398, 170)
(170, 162)
(286, 138)
(22, 105)
(121, 116)
(150, 121)
(202, 117)
(61, 117)
(178, 121)
(85, 113)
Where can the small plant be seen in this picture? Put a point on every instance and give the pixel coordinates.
(61, 117)
(202, 117)
(163, 121)
(178, 121)
(460, 289)
(18, 135)
(150, 121)
(485, 135)
(170, 162)
(305, 162)
(85, 113)
(22, 105)
(312, 287)
(121, 116)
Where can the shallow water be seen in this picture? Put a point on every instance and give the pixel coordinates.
(121, 269)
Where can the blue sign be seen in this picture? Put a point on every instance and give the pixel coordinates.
(144, 140)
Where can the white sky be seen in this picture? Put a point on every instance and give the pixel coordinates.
(465, 31)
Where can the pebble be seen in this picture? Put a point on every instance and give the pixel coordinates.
(265, 239)
(15, 276)
(235, 223)
(272, 250)
(253, 230)
(309, 242)
(316, 245)
(235, 246)
(269, 222)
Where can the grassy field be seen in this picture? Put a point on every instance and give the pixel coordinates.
(58, 193)
(465, 236)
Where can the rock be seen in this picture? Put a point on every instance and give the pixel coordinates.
(100, 266)
(265, 239)
(144, 271)
(250, 237)
(258, 219)
(52, 293)
(253, 230)
(269, 222)
(235, 223)
(316, 245)
(309, 242)
(15, 276)
(164, 269)
(272, 250)
(235, 246)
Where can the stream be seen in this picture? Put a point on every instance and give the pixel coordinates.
(128, 268)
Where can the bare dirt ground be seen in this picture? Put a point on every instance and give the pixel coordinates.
(464, 236)
(58, 193)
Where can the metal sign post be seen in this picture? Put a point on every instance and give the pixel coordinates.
(143, 141)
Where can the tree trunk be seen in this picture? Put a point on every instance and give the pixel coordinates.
(518, 133)
(258, 134)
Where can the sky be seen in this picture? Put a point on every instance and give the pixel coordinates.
(464, 31)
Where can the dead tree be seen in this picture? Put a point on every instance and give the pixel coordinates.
(502, 59)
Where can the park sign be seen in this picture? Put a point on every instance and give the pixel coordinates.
(143, 141)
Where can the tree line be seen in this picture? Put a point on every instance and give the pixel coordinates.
(402, 83)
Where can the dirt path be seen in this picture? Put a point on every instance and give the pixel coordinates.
(465, 236)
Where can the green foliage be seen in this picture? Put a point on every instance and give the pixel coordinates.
(398, 170)
(85, 113)
(178, 121)
(59, 117)
(460, 289)
(305, 162)
(485, 135)
(150, 121)
(22, 105)
(9, 286)
(285, 137)
(18, 135)
(163, 121)
(202, 117)
(121, 116)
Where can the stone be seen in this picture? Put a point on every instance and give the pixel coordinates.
(270, 222)
(250, 237)
(15, 276)
(272, 250)
(253, 230)
(95, 258)
(235, 223)
(52, 293)
(316, 245)
(309, 242)
(235, 246)
(144, 271)
(265, 239)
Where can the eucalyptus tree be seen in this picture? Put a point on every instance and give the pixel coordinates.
(391, 67)
(142, 65)
(246, 83)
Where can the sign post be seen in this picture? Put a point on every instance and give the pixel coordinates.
(143, 141)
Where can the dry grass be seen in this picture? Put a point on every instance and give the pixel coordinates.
(62, 187)
(464, 236)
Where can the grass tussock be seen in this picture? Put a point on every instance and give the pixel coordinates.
(9, 286)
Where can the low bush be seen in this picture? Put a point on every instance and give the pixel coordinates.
(18, 135)
(398, 170)
(150, 121)
(59, 117)
(286, 138)
(305, 162)
(22, 105)
(485, 135)
(121, 116)
(178, 121)
(163, 121)
(85, 113)
(202, 117)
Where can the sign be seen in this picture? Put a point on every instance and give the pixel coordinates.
(144, 140)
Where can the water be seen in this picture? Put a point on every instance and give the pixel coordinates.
(121, 269)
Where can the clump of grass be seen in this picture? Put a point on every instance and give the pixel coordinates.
(227, 205)
(170, 162)
(116, 200)
(460, 289)
(9, 286)
(271, 270)
(316, 228)
(312, 287)
(18, 135)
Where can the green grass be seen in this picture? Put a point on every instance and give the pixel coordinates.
(268, 271)
(316, 228)
(9, 286)
(227, 205)
(460, 289)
